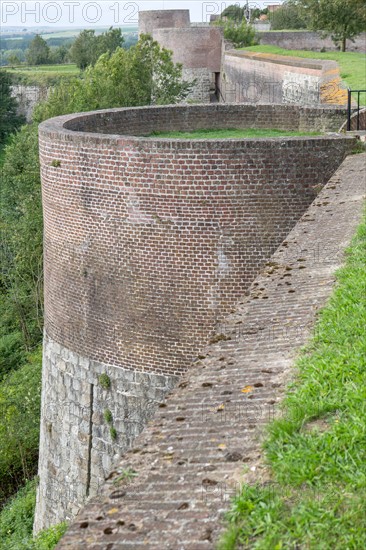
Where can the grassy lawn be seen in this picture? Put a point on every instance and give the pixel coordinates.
(316, 450)
(231, 133)
(43, 74)
(352, 65)
(74, 32)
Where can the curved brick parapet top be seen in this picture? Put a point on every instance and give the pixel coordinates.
(142, 121)
(149, 242)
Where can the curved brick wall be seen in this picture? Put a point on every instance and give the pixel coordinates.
(148, 242)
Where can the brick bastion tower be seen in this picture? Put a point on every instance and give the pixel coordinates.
(148, 243)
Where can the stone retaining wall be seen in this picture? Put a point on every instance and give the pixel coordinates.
(307, 40)
(28, 97)
(254, 77)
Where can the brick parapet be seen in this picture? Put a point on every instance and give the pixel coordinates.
(150, 241)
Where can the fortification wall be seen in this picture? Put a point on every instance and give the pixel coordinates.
(205, 444)
(160, 19)
(266, 78)
(148, 243)
(307, 40)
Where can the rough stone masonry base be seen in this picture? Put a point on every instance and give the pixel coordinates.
(79, 415)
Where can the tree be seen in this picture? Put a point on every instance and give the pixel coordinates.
(38, 52)
(58, 54)
(108, 42)
(233, 12)
(13, 59)
(288, 16)
(341, 19)
(9, 119)
(82, 51)
(143, 75)
(88, 47)
(240, 34)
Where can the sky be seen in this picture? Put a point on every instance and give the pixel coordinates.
(88, 13)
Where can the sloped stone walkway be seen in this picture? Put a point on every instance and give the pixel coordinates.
(189, 461)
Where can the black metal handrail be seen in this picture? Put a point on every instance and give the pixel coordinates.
(349, 107)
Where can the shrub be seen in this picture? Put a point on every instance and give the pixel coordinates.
(20, 400)
(16, 523)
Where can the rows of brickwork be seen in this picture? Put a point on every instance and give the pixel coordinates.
(190, 459)
(148, 242)
(144, 120)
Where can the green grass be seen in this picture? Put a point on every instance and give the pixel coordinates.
(43, 74)
(64, 69)
(232, 133)
(16, 523)
(352, 65)
(74, 32)
(316, 450)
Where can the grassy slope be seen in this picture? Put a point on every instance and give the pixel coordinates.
(231, 133)
(317, 450)
(352, 65)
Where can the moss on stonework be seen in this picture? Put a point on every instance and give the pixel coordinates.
(105, 381)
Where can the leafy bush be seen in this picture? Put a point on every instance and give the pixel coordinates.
(11, 353)
(288, 16)
(47, 539)
(16, 519)
(20, 401)
(16, 523)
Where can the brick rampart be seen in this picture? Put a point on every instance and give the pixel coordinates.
(149, 242)
(191, 460)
